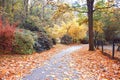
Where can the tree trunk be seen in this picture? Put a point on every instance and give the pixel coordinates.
(118, 49)
(3, 11)
(43, 9)
(3, 3)
(25, 8)
(95, 39)
(12, 10)
(43, 12)
(90, 24)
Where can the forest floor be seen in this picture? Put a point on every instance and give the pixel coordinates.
(95, 65)
(14, 66)
(62, 62)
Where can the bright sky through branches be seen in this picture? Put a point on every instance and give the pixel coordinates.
(68, 1)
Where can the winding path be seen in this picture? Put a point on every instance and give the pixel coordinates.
(57, 68)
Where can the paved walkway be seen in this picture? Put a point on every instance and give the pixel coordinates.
(57, 68)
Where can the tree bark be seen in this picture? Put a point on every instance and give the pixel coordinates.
(3, 3)
(90, 24)
(3, 11)
(12, 10)
(118, 49)
(26, 8)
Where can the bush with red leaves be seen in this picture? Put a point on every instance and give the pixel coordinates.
(6, 36)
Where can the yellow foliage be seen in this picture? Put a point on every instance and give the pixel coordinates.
(71, 28)
(56, 31)
(62, 8)
(98, 26)
(76, 31)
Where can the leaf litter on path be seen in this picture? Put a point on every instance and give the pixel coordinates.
(14, 66)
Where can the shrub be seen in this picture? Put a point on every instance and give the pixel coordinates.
(6, 36)
(29, 26)
(23, 43)
(54, 41)
(85, 40)
(66, 39)
(43, 42)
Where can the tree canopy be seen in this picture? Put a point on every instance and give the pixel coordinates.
(66, 17)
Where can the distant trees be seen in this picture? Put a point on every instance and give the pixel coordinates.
(112, 25)
(50, 12)
(71, 28)
(96, 13)
(21, 10)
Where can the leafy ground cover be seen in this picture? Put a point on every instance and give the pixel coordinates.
(90, 65)
(14, 66)
(95, 65)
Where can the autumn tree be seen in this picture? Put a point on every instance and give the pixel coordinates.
(90, 4)
(71, 28)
